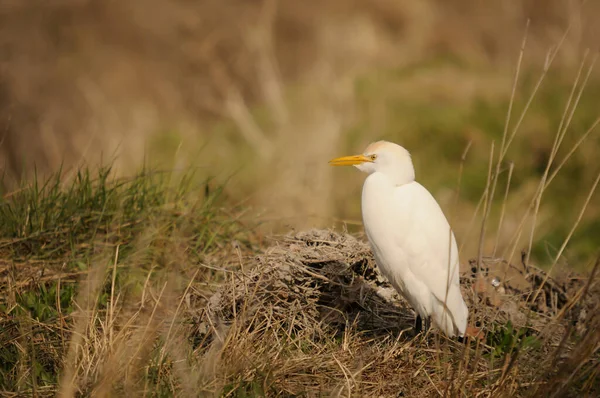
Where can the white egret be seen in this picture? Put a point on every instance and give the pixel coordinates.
(411, 239)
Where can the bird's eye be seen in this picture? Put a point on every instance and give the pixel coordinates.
(373, 157)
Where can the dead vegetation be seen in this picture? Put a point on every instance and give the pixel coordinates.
(313, 317)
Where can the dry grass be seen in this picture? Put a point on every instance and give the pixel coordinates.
(313, 317)
(69, 297)
(310, 316)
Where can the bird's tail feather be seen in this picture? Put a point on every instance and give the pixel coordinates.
(452, 315)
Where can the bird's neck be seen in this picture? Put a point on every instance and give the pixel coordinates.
(400, 176)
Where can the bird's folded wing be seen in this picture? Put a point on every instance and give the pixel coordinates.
(429, 244)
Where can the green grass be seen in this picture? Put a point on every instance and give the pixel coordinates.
(53, 233)
(61, 221)
(506, 339)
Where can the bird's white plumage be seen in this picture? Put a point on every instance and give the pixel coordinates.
(411, 239)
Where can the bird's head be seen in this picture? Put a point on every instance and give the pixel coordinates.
(382, 156)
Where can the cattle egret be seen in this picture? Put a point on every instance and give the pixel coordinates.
(411, 239)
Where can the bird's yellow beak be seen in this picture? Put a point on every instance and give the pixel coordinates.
(349, 160)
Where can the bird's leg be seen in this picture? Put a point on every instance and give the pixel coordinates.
(427, 324)
(418, 324)
(422, 325)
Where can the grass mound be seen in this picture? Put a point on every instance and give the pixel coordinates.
(312, 316)
(308, 284)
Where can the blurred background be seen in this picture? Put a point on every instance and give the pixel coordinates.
(262, 93)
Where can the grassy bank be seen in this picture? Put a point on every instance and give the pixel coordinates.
(79, 251)
(159, 285)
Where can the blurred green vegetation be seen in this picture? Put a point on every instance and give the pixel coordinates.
(440, 130)
(414, 107)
